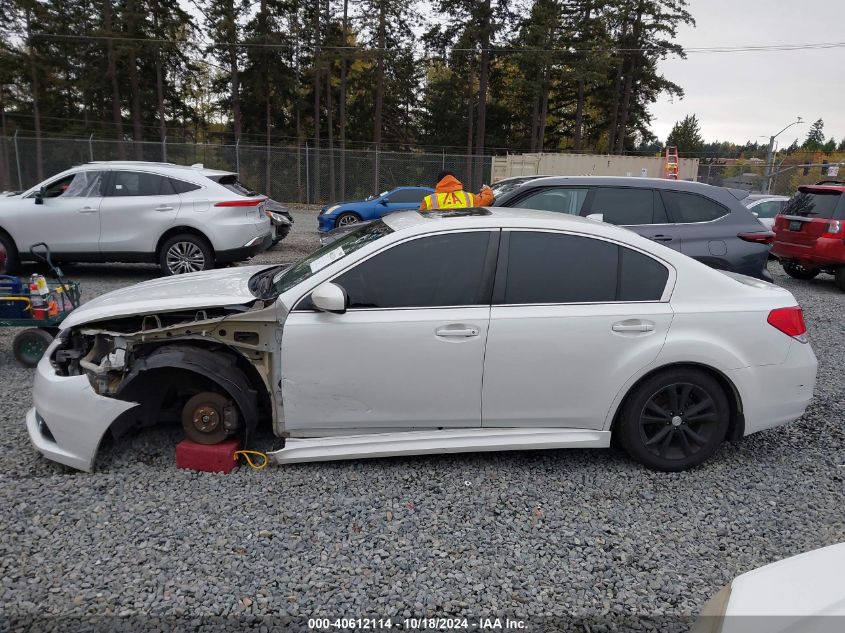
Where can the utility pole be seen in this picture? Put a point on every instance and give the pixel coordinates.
(767, 177)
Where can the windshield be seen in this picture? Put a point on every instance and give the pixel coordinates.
(329, 253)
(817, 204)
(504, 186)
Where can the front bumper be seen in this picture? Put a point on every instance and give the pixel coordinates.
(248, 250)
(68, 419)
(325, 222)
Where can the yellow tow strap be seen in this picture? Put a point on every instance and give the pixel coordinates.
(248, 457)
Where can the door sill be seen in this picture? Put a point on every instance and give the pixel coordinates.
(434, 442)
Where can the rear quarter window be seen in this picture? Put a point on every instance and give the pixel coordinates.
(688, 208)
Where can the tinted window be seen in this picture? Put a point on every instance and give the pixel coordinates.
(690, 207)
(139, 183)
(817, 204)
(441, 270)
(541, 269)
(558, 199)
(231, 182)
(555, 268)
(407, 196)
(180, 186)
(641, 278)
(627, 206)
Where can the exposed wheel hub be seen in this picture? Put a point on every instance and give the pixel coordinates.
(206, 418)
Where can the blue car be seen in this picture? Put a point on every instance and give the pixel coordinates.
(345, 213)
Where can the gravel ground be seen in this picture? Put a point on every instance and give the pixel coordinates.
(534, 535)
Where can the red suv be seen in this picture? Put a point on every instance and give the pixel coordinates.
(810, 232)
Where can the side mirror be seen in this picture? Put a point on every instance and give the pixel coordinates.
(329, 297)
(383, 202)
(39, 196)
(755, 214)
(597, 217)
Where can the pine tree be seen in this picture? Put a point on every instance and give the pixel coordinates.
(815, 137)
(686, 136)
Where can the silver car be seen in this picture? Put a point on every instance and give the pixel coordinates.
(185, 219)
(765, 207)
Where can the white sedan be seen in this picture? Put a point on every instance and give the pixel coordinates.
(462, 330)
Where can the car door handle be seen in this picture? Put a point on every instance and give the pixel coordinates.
(662, 238)
(164, 207)
(87, 210)
(462, 332)
(633, 325)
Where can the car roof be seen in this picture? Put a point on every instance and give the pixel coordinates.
(134, 164)
(634, 181)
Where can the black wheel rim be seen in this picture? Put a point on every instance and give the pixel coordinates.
(678, 421)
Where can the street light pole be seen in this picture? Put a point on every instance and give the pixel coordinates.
(767, 178)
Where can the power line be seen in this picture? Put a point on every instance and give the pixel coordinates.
(497, 50)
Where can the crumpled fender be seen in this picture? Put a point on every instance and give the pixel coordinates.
(219, 368)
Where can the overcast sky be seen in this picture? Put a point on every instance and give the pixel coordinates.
(740, 96)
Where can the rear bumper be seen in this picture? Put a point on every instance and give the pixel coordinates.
(824, 251)
(773, 395)
(250, 249)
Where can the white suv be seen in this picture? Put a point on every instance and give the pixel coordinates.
(186, 219)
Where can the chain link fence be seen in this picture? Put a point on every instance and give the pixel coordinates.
(289, 174)
(787, 174)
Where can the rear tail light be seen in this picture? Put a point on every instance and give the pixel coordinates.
(835, 229)
(254, 202)
(760, 237)
(790, 321)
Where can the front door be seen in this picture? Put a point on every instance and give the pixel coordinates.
(408, 353)
(137, 209)
(68, 221)
(573, 319)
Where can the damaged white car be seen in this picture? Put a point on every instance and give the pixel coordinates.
(463, 330)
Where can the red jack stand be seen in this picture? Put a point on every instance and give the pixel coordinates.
(215, 458)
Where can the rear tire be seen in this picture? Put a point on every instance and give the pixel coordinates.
(185, 253)
(674, 420)
(12, 260)
(29, 346)
(839, 277)
(797, 271)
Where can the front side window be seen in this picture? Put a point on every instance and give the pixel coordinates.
(559, 199)
(82, 184)
(407, 196)
(139, 183)
(690, 207)
(628, 207)
(560, 268)
(435, 271)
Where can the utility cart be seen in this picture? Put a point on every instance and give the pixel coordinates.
(19, 308)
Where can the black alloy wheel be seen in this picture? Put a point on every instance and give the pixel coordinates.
(675, 420)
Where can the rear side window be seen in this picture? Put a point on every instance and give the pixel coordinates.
(436, 271)
(180, 186)
(560, 199)
(139, 183)
(407, 196)
(815, 204)
(542, 269)
(628, 207)
(691, 207)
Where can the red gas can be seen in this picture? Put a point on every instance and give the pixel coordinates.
(216, 458)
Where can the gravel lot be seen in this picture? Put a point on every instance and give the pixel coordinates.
(548, 533)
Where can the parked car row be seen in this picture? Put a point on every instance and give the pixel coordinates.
(185, 219)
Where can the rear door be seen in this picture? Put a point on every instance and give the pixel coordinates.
(698, 219)
(807, 215)
(640, 210)
(139, 206)
(573, 319)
